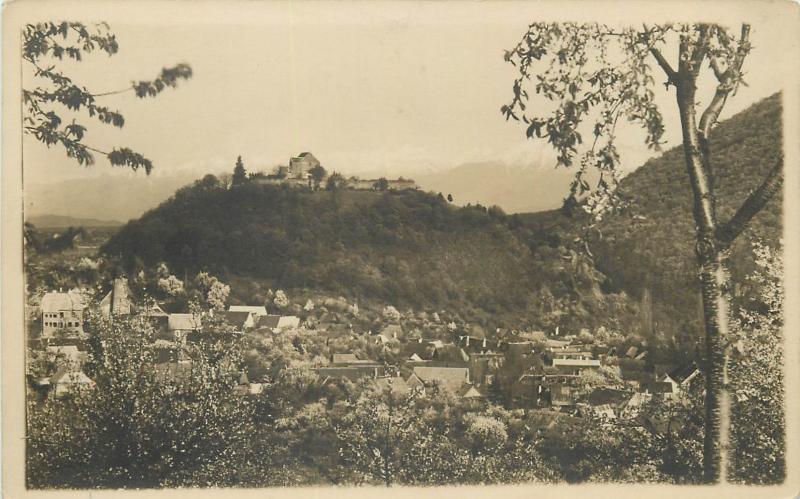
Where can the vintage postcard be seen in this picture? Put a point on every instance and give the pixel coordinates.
(392, 249)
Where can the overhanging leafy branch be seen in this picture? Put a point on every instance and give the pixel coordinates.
(46, 43)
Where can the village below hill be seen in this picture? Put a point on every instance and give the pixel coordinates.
(599, 375)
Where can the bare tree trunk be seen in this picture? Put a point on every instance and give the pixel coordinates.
(714, 284)
(711, 258)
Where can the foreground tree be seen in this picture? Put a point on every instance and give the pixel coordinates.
(144, 423)
(596, 73)
(44, 45)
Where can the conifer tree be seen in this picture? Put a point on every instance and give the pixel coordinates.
(239, 173)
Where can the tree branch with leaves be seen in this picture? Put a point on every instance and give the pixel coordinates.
(572, 75)
(46, 44)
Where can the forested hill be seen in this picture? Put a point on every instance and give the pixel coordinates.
(413, 249)
(650, 246)
(408, 248)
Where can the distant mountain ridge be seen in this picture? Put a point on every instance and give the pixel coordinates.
(515, 188)
(105, 197)
(62, 222)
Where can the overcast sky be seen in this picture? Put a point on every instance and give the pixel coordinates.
(387, 87)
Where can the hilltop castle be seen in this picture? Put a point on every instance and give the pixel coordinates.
(298, 173)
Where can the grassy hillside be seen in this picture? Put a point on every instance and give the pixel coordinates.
(650, 246)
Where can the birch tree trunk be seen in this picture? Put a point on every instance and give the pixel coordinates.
(712, 262)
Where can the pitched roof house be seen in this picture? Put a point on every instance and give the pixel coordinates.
(608, 396)
(154, 310)
(66, 381)
(415, 383)
(450, 377)
(255, 309)
(278, 322)
(352, 372)
(184, 322)
(574, 366)
(469, 391)
(396, 384)
(451, 354)
(418, 351)
(288, 322)
(343, 358)
(62, 311)
(268, 321)
(55, 301)
(685, 374)
(118, 300)
(557, 343)
(239, 320)
(634, 405)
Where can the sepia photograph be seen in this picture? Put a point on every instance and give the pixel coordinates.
(392, 246)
